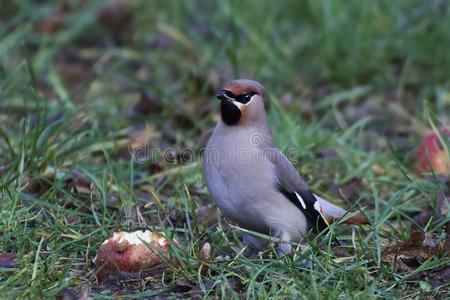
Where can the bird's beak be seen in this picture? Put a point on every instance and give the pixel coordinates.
(222, 96)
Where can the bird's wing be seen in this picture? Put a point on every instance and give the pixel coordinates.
(318, 211)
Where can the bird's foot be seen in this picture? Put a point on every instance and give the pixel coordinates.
(284, 248)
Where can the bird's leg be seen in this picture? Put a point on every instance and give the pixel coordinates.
(253, 242)
(284, 246)
(254, 245)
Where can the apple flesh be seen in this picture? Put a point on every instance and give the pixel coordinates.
(128, 252)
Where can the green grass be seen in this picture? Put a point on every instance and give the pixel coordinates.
(353, 85)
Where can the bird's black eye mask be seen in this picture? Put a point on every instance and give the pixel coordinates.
(244, 98)
(231, 114)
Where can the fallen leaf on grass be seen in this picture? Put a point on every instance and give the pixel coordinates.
(438, 278)
(409, 255)
(7, 260)
(131, 252)
(78, 182)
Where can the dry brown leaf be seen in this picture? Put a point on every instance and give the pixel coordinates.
(7, 260)
(411, 253)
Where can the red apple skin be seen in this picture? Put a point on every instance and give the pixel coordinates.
(114, 256)
(431, 155)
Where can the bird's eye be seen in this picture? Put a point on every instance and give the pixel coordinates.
(229, 94)
(247, 97)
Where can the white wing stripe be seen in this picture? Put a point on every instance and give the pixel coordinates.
(318, 207)
(301, 200)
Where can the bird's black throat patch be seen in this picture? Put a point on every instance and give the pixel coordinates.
(230, 112)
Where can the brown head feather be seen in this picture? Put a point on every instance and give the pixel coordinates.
(244, 86)
(251, 113)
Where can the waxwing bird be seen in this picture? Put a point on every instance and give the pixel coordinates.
(249, 178)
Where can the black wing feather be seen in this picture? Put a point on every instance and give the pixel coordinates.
(314, 218)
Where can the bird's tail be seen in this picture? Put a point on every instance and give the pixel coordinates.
(332, 213)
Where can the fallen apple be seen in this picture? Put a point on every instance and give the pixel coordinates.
(431, 154)
(131, 252)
